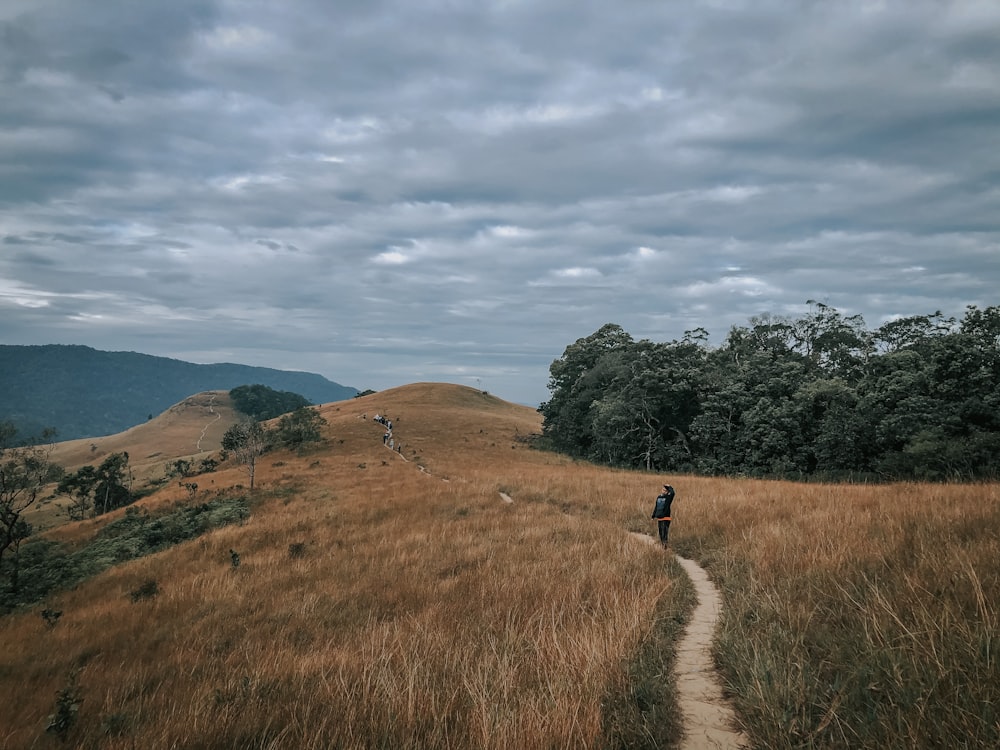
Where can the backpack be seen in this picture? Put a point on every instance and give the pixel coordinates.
(663, 500)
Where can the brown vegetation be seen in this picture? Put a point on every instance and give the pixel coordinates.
(856, 616)
(375, 604)
(395, 600)
(192, 429)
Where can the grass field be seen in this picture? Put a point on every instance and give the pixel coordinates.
(191, 429)
(394, 600)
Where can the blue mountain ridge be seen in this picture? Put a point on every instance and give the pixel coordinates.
(85, 392)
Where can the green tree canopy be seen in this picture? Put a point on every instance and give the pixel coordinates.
(817, 394)
(99, 490)
(304, 425)
(261, 403)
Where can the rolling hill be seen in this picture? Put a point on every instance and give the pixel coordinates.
(191, 429)
(469, 590)
(83, 392)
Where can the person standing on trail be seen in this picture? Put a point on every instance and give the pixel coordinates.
(661, 512)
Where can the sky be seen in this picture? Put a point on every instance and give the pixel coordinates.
(397, 191)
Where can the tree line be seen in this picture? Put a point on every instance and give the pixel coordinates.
(819, 395)
(260, 402)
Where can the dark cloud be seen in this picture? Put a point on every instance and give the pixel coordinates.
(387, 191)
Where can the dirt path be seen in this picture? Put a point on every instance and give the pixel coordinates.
(211, 410)
(708, 717)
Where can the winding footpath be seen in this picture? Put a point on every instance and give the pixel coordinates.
(211, 410)
(708, 717)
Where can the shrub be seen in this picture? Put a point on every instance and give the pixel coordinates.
(146, 590)
(67, 707)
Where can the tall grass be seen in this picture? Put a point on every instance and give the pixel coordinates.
(861, 617)
(420, 610)
(416, 613)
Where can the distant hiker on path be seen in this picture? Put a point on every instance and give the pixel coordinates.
(661, 512)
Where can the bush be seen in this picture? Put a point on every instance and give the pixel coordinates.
(67, 707)
(298, 428)
(146, 590)
(47, 566)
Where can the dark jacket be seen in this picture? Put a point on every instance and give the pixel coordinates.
(662, 507)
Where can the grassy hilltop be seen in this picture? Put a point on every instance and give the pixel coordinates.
(396, 600)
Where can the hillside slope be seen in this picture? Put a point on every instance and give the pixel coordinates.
(372, 598)
(84, 392)
(191, 429)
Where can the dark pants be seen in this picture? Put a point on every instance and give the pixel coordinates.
(664, 530)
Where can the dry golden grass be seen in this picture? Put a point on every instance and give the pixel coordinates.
(426, 612)
(191, 429)
(861, 617)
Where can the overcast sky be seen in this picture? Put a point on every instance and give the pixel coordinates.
(410, 190)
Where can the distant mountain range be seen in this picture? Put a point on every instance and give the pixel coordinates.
(85, 392)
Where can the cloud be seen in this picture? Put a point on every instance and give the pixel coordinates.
(388, 191)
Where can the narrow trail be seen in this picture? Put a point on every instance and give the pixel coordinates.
(708, 717)
(399, 454)
(204, 430)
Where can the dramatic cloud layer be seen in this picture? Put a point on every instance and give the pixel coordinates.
(388, 192)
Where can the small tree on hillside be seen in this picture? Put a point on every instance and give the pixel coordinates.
(102, 489)
(24, 470)
(79, 486)
(114, 483)
(246, 441)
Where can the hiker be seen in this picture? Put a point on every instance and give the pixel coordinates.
(661, 512)
(385, 438)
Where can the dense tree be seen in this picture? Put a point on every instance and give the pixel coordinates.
(79, 486)
(813, 395)
(261, 403)
(984, 327)
(911, 332)
(304, 425)
(578, 379)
